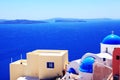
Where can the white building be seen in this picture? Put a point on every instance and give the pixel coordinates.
(84, 66)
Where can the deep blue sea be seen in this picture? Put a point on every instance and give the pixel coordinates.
(77, 37)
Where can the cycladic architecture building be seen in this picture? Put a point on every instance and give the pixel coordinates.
(41, 64)
(85, 66)
(49, 63)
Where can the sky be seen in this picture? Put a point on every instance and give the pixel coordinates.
(45, 9)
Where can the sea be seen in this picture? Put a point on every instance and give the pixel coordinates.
(76, 37)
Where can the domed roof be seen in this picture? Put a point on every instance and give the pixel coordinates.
(71, 70)
(111, 39)
(87, 65)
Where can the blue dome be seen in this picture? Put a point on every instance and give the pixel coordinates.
(71, 70)
(111, 39)
(87, 65)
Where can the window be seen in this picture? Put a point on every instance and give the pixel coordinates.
(104, 59)
(106, 51)
(115, 77)
(117, 57)
(50, 64)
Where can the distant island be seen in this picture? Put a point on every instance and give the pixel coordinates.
(18, 21)
(53, 20)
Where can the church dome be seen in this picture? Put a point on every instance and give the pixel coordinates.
(111, 39)
(71, 70)
(87, 65)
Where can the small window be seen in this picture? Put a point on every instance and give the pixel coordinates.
(104, 59)
(50, 64)
(106, 51)
(117, 57)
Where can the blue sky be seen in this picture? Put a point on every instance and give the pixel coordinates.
(44, 9)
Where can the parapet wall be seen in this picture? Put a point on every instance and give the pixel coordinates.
(101, 71)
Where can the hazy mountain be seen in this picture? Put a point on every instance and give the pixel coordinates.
(18, 21)
(52, 20)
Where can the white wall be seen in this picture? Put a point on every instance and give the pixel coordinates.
(85, 76)
(75, 65)
(110, 48)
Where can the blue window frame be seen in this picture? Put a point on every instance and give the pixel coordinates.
(50, 64)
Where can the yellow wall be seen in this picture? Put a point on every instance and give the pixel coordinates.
(36, 64)
(17, 70)
(65, 59)
(45, 72)
(32, 68)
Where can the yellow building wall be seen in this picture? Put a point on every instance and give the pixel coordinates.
(33, 63)
(17, 70)
(45, 72)
(65, 59)
(36, 64)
